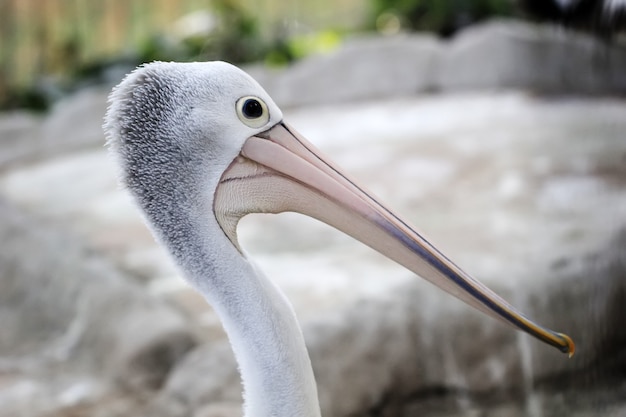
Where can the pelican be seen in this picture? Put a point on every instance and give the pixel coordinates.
(199, 146)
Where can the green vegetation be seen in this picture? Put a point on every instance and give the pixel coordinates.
(444, 17)
(50, 48)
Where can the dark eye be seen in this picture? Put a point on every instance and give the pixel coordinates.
(252, 111)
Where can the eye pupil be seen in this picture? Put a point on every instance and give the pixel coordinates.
(252, 109)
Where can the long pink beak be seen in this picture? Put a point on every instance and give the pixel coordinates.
(278, 170)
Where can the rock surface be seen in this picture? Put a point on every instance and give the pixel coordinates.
(71, 319)
(365, 68)
(538, 58)
(498, 54)
(526, 193)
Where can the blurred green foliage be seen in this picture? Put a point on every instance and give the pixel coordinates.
(288, 49)
(225, 32)
(444, 17)
(218, 30)
(236, 37)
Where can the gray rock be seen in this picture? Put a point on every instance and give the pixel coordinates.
(19, 137)
(501, 54)
(64, 306)
(615, 75)
(418, 354)
(509, 54)
(364, 68)
(71, 123)
(205, 377)
(220, 410)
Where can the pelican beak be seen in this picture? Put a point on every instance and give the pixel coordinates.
(278, 170)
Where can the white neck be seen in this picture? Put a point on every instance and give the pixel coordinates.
(275, 368)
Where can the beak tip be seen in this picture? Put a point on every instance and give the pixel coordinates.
(569, 347)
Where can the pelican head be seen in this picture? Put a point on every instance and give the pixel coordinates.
(200, 145)
(176, 128)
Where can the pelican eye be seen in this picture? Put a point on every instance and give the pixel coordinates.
(252, 111)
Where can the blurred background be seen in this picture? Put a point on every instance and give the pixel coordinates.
(498, 127)
(51, 48)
